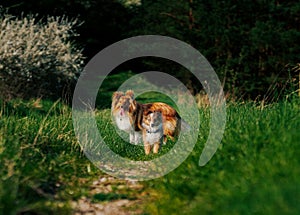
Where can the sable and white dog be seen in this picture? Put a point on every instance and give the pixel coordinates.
(128, 115)
(152, 131)
(123, 111)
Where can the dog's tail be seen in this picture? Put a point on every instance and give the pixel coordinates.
(185, 126)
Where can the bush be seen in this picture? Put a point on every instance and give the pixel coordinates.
(37, 58)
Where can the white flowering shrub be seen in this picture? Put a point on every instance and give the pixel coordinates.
(37, 58)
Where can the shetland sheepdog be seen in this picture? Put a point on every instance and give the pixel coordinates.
(153, 132)
(123, 108)
(128, 115)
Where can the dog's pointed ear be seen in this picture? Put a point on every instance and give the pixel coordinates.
(132, 106)
(130, 93)
(117, 95)
(115, 98)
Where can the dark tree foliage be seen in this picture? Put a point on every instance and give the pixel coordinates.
(251, 44)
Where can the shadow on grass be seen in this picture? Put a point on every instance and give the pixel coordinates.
(109, 197)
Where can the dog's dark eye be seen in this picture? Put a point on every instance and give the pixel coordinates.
(121, 106)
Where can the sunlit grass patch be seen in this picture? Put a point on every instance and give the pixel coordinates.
(255, 170)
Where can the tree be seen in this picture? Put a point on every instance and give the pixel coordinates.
(103, 21)
(247, 42)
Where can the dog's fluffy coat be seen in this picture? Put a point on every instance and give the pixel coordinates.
(129, 114)
(152, 131)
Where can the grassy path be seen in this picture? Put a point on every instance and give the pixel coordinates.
(255, 170)
(111, 196)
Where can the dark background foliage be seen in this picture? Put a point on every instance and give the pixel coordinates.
(252, 45)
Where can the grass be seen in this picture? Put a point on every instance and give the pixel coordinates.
(41, 162)
(112, 83)
(256, 170)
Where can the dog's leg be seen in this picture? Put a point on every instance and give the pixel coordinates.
(165, 140)
(156, 147)
(137, 137)
(147, 148)
(132, 137)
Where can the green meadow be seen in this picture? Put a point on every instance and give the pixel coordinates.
(47, 46)
(256, 169)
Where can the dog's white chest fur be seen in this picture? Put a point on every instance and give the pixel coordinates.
(123, 123)
(153, 137)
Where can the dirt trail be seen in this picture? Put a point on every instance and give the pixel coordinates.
(113, 196)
